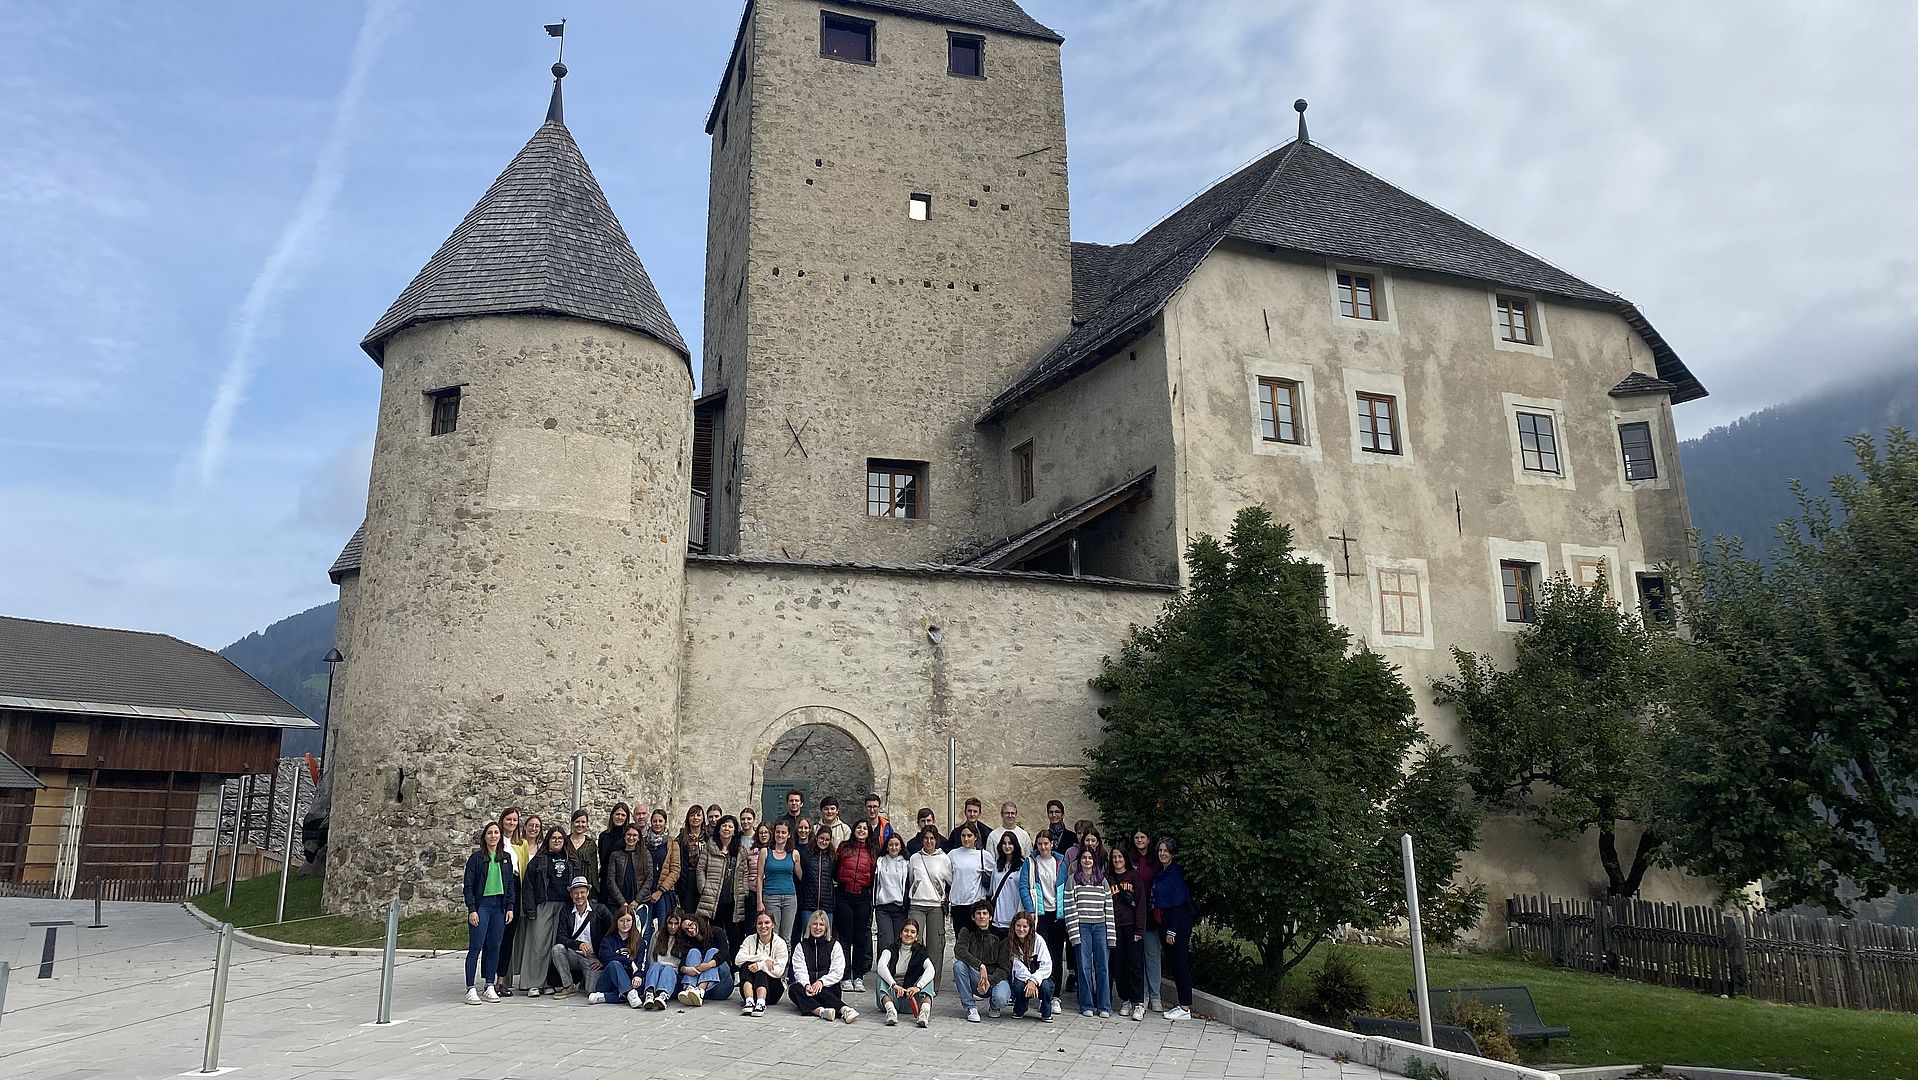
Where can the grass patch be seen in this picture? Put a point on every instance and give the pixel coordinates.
(1616, 1022)
(255, 899)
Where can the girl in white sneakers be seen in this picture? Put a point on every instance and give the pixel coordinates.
(761, 963)
(818, 967)
(905, 976)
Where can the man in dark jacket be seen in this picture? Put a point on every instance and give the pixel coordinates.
(982, 965)
(576, 953)
(972, 824)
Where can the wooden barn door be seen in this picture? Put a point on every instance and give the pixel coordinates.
(139, 827)
(16, 815)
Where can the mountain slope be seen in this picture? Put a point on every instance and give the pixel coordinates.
(1738, 477)
(286, 657)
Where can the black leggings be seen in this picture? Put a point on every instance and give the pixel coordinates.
(827, 998)
(1178, 959)
(852, 925)
(755, 981)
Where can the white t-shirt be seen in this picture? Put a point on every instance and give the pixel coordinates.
(1025, 842)
(971, 877)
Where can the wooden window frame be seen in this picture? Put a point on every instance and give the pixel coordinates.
(1650, 460)
(833, 20)
(1518, 585)
(1517, 319)
(1399, 593)
(1027, 475)
(440, 419)
(884, 488)
(1368, 424)
(1271, 427)
(978, 45)
(1347, 284)
(1544, 448)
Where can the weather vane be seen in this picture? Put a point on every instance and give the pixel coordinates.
(558, 30)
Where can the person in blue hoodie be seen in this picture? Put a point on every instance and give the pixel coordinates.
(619, 951)
(492, 895)
(1043, 889)
(1175, 916)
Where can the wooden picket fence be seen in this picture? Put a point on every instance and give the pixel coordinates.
(1775, 957)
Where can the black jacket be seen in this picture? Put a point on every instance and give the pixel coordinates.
(983, 949)
(549, 878)
(476, 880)
(629, 878)
(818, 884)
(596, 914)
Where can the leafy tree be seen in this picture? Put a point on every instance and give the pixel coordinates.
(1562, 736)
(1286, 764)
(1795, 723)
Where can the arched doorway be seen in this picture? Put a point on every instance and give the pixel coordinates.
(820, 751)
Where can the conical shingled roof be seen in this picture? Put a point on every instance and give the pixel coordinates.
(542, 241)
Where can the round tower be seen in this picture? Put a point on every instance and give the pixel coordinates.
(523, 562)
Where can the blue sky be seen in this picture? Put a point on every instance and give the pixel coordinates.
(204, 207)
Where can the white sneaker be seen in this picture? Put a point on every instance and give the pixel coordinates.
(972, 1017)
(993, 1012)
(595, 998)
(689, 998)
(1138, 1011)
(632, 998)
(472, 995)
(1085, 1012)
(925, 1015)
(892, 1015)
(1177, 1012)
(746, 1007)
(828, 1015)
(1104, 1015)
(849, 1015)
(857, 984)
(1125, 1008)
(490, 996)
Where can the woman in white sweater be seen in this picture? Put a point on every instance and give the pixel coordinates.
(889, 890)
(971, 878)
(928, 888)
(905, 978)
(761, 963)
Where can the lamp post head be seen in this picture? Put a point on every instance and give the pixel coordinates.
(332, 656)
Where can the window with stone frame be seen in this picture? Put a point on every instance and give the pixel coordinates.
(1538, 442)
(895, 489)
(1635, 441)
(1401, 612)
(1588, 571)
(966, 55)
(1357, 299)
(842, 37)
(1023, 461)
(443, 410)
(1378, 424)
(1279, 413)
(1519, 583)
(1516, 320)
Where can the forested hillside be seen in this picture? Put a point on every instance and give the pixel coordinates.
(286, 657)
(1738, 477)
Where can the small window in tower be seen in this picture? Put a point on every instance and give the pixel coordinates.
(895, 489)
(966, 55)
(919, 208)
(445, 410)
(1028, 482)
(842, 37)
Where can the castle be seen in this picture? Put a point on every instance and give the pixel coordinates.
(942, 457)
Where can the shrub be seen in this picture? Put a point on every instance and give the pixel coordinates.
(1223, 966)
(1420, 1069)
(1486, 1023)
(1339, 989)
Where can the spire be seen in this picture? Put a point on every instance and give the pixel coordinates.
(555, 111)
(1297, 106)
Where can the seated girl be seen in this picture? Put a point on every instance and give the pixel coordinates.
(662, 968)
(905, 978)
(761, 960)
(703, 972)
(619, 952)
(818, 965)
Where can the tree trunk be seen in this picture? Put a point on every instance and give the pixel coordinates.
(1618, 880)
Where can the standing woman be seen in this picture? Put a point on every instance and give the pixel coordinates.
(629, 875)
(548, 893)
(662, 964)
(691, 843)
(761, 962)
(492, 893)
(1172, 903)
(1128, 952)
(1010, 862)
(818, 966)
(889, 880)
(762, 837)
(722, 878)
(818, 873)
(1145, 869)
(613, 835)
(516, 854)
(1089, 919)
(852, 924)
(665, 855)
(928, 886)
(584, 851)
(779, 872)
(971, 879)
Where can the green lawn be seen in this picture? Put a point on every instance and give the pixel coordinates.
(254, 901)
(1617, 1022)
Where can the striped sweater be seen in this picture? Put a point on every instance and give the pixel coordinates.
(1087, 905)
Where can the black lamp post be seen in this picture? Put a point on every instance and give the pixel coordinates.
(332, 660)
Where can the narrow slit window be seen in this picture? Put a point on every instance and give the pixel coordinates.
(1635, 440)
(1279, 417)
(919, 208)
(1378, 424)
(445, 410)
(1356, 297)
(842, 37)
(966, 55)
(895, 489)
(1538, 443)
(1518, 580)
(1028, 482)
(1515, 321)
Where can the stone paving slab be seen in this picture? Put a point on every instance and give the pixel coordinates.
(130, 1001)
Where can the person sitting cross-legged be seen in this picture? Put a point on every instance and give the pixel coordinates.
(761, 960)
(575, 956)
(905, 978)
(818, 967)
(982, 965)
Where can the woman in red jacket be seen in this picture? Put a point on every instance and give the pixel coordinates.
(852, 924)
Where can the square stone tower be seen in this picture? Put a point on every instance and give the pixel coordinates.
(889, 248)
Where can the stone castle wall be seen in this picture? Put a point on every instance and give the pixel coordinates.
(520, 596)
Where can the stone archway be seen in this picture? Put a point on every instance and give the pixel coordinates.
(821, 751)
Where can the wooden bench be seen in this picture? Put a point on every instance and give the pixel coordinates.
(1444, 1036)
(1521, 1016)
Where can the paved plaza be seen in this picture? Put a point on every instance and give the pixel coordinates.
(131, 1001)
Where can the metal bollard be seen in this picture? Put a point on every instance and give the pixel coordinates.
(239, 822)
(386, 962)
(217, 1010)
(6, 970)
(97, 923)
(1419, 988)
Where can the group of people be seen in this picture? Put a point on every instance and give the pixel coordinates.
(806, 907)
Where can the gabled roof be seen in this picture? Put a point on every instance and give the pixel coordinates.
(1299, 197)
(1640, 383)
(542, 241)
(60, 667)
(349, 560)
(17, 777)
(1034, 541)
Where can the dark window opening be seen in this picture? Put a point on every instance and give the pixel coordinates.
(1378, 424)
(1518, 582)
(1537, 443)
(842, 37)
(1028, 483)
(1636, 442)
(966, 55)
(895, 489)
(445, 410)
(1655, 597)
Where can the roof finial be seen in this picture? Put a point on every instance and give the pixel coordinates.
(1299, 107)
(556, 112)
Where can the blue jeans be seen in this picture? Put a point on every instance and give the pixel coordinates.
(483, 940)
(714, 985)
(1047, 992)
(662, 976)
(966, 978)
(614, 982)
(1095, 985)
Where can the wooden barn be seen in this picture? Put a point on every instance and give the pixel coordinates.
(120, 742)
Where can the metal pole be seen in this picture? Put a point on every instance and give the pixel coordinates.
(386, 962)
(286, 852)
(216, 1011)
(6, 970)
(97, 923)
(952, 781)
(1418, 941)
(233, 860)
(579, 782)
